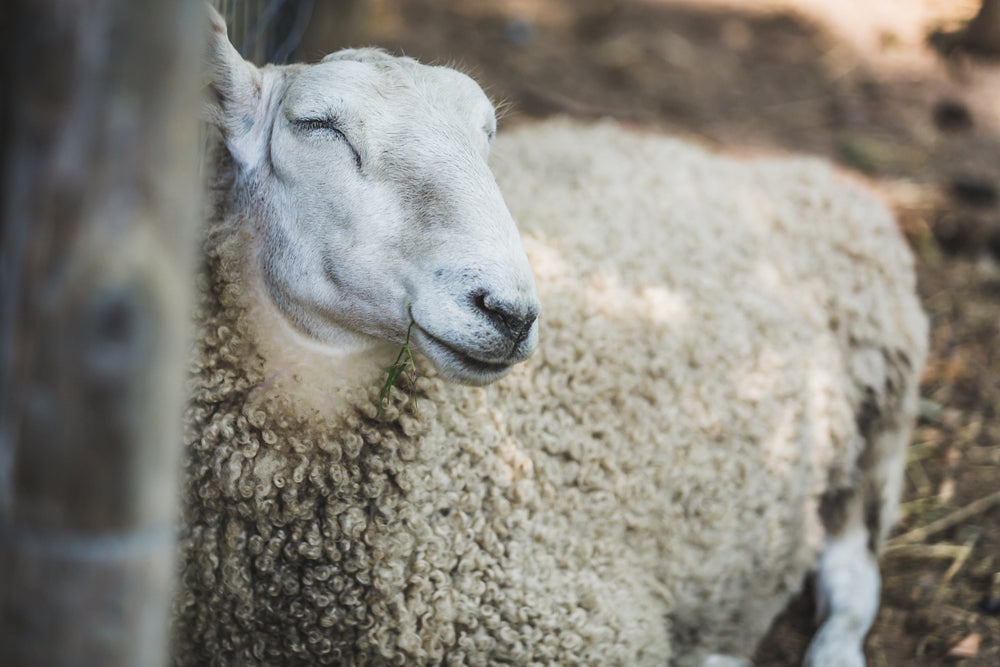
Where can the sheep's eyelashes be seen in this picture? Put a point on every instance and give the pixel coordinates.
(326, 126)
(317, 124)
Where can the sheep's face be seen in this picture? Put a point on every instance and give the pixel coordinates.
(374, 207)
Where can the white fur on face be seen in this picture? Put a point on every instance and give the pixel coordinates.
(366, 176)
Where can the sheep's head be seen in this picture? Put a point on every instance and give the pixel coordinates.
(365, 179)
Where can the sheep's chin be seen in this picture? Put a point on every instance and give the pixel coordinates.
(454, 365)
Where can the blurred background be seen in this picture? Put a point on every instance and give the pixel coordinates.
(903, 95)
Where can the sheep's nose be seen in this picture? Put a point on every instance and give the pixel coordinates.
(514, 320)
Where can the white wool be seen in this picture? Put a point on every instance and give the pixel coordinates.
(724, 348)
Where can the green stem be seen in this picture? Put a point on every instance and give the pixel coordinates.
(396, 371)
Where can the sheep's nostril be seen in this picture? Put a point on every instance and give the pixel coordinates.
(518, 325)
(510, 319)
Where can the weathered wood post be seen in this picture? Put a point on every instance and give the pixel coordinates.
(99, 206)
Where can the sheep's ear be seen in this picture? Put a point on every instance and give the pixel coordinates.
(233, 93)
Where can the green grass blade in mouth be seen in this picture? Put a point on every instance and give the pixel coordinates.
(403, 360)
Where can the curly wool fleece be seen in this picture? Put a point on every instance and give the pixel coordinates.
(642, 491)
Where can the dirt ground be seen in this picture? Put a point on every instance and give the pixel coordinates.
(876, 86)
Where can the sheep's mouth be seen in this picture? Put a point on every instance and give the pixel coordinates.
(457, 365)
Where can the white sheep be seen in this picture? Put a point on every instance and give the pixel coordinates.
(719, 403)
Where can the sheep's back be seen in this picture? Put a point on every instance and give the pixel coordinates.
(711, 332)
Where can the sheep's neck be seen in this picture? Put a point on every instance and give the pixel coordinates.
(319, 376)
(313, 376)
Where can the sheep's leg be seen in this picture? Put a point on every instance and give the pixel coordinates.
(848, 582)
(888, 480)
(847, 596)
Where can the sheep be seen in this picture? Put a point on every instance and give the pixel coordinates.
(713, 401)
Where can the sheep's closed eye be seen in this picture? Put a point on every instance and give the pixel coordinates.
(329, 126)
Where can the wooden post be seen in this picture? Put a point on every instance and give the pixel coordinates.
(99, 206)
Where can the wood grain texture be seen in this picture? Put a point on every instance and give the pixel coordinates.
(100, 203)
